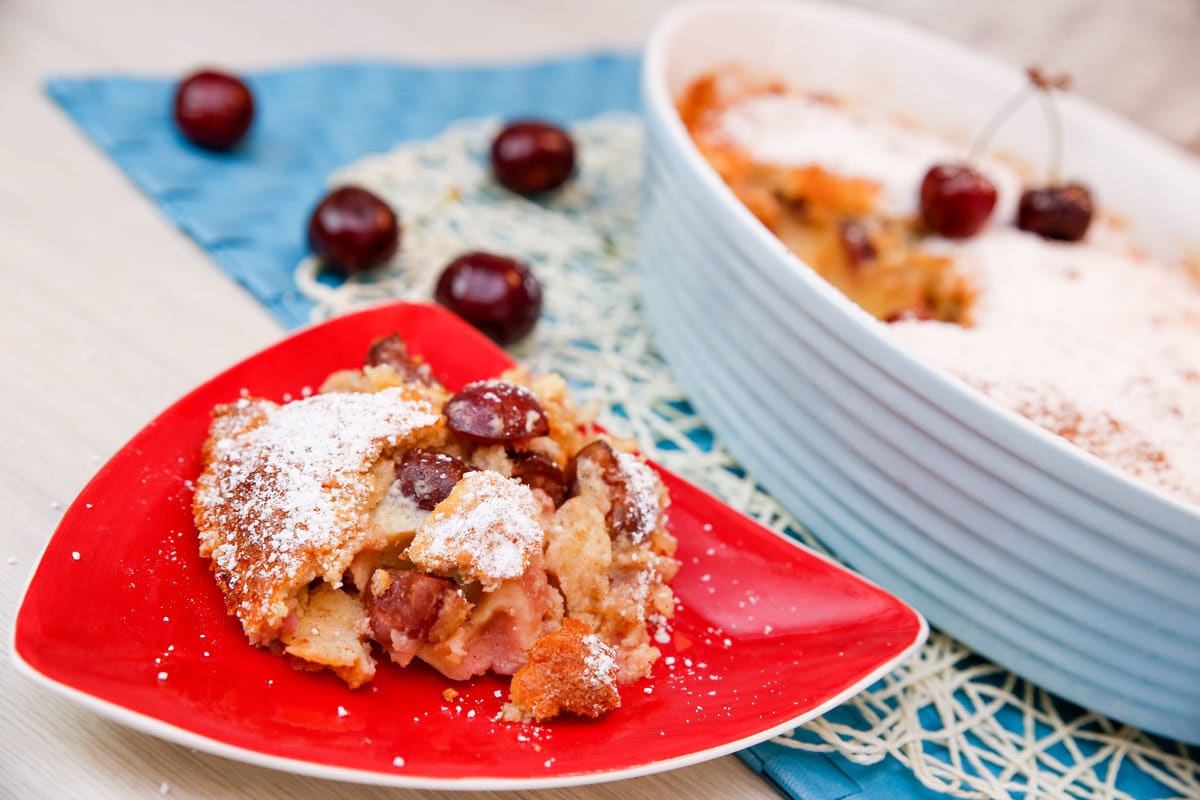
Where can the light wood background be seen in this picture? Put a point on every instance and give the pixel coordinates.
(108, 313)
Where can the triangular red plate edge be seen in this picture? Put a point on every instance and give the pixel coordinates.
(350, 333)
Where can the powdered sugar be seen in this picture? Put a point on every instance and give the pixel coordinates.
(487, 530)
(287, 484)
(600, 663)
(1089, 340)
(798, 129)
(641, 486)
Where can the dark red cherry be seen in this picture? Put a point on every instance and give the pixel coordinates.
(427, 477)
(538, 471)
(213, 109)
(530, 157)
(353, 229)
(1056, 212)
(493, 412)
(956, 200)
(497, 295)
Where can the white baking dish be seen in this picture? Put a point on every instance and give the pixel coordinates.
(1037, 554)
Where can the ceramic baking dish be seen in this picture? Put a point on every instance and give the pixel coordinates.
(1030, 550)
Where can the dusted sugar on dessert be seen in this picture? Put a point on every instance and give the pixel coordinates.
(489, 530)
(1091, 339)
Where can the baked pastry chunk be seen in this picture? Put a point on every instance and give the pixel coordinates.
(571, 670)
(387, 515)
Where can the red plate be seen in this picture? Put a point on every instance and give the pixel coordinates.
(123, 616)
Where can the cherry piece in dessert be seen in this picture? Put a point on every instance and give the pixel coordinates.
(856, 244)
(625, 515)
(496, 294)
(392, 351)
(1056, 212)
(538, 471)
(353, 229)
(427, 477)
(213, 109)
(956, 200)
(402, 607)
(495, 412)
(530, 157)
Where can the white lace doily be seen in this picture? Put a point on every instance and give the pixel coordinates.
(963, 726)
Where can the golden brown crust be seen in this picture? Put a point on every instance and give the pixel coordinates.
(570, 670)
(286, 493)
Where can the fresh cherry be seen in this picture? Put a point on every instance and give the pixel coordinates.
(497, 295)
(353, 229)
(956, 200)
(213, 109)
(1056, 212)
(494, 412)
(538, 471)
(530, 157)
(427, 477)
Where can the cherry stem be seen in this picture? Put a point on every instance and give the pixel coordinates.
(1045, 85)
(1054, 124)
(989, 131)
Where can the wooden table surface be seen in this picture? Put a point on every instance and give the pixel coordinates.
(110, 313)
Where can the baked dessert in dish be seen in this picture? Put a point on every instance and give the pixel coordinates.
(489, 530)
(1080, 331)
(839, 217)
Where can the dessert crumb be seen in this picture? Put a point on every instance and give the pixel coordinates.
(398, 761)
(162, 676)
(75, 555)
(450, 695)
(342, 712)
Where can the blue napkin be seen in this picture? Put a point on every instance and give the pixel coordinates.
(248, 210)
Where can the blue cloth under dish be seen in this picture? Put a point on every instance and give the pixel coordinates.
(248, 209)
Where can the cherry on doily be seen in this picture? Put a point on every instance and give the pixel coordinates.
(530, 157)
(496, 294)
